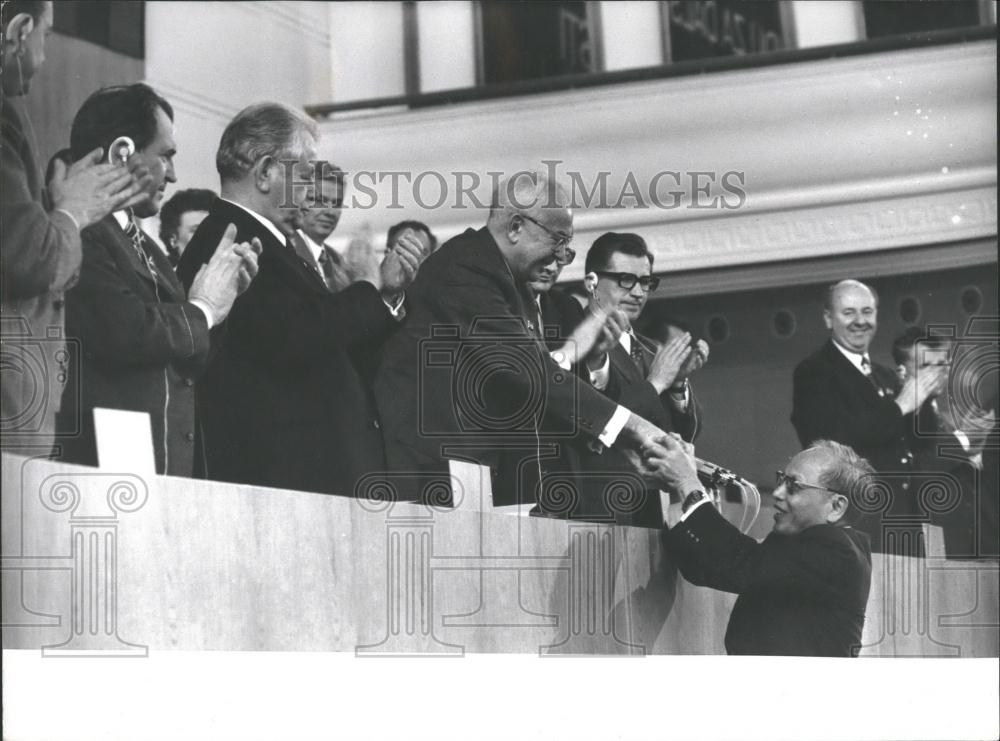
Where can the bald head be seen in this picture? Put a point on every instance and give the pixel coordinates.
(531, 222)
(851, 315)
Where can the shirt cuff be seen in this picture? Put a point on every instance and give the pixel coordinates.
(696, 505)
(614, 427)
(560, 359)
(204, 310)
(396, 307)
(963, 439)
(599, 378)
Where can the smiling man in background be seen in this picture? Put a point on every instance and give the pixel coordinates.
(840, 394)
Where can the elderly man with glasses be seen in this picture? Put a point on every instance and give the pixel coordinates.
(802, 590)
(468, 374)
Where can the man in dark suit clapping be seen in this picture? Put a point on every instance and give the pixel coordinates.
(840, 394)
(143, 339)
(283, 403)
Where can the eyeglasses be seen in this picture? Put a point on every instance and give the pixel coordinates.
(794, 486)
(560, 241)
(628, 280)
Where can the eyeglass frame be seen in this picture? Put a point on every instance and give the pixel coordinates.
(783, 478)
(652, 281)
(561, 245)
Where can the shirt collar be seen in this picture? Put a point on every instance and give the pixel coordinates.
(854, 357)
(625, 340)
(266, 222)
(122, 218)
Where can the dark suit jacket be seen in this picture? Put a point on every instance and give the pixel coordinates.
(602, 474)
(141, 345)
(799, 595)
(282, 403)
(39, 259)
(468, 367)
(833, 400)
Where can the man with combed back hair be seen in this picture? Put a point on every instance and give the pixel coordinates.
(283, 403)
(144, 340)
(488, 380)
(802, 590)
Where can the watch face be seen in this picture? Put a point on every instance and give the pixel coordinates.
(692, 499)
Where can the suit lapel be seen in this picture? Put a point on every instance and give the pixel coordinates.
(854, 377)
(518, 298)
(306, 255)
(624, 364)
(248, 227)
(166, 284)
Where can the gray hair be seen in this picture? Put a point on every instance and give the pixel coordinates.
(526, 191)
(262, 130)
(849, 474)
(832, 291)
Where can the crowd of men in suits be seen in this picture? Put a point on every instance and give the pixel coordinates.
(264, 357)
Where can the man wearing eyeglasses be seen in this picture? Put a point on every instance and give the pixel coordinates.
(633, 369)
(489, 382)
(802, 590)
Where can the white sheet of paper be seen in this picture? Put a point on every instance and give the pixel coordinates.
(124, 441)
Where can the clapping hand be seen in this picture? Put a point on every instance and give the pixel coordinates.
(89, 190)
(669, 362)
(219, 281)
(400, 265)
(360, 262)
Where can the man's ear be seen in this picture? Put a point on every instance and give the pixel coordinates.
(262, 173)
(901, 372)
(18, 29)
(828, 318)
(590, 283)
(515, 225)
(838, 508)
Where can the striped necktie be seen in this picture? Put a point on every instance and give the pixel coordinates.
(135, 235)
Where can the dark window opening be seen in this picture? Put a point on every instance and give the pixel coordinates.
(114, 24)
(895, 17)
(533, 40)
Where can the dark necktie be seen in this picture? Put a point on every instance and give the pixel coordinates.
(334, 277)
(635, 351)
(866, 368)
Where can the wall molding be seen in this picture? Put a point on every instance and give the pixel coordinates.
(861, 154)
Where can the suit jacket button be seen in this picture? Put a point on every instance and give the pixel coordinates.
(189, 436)
(377, 425)
(188, 382)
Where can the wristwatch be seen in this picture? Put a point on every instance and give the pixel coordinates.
(693, 497)
(675, 389)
